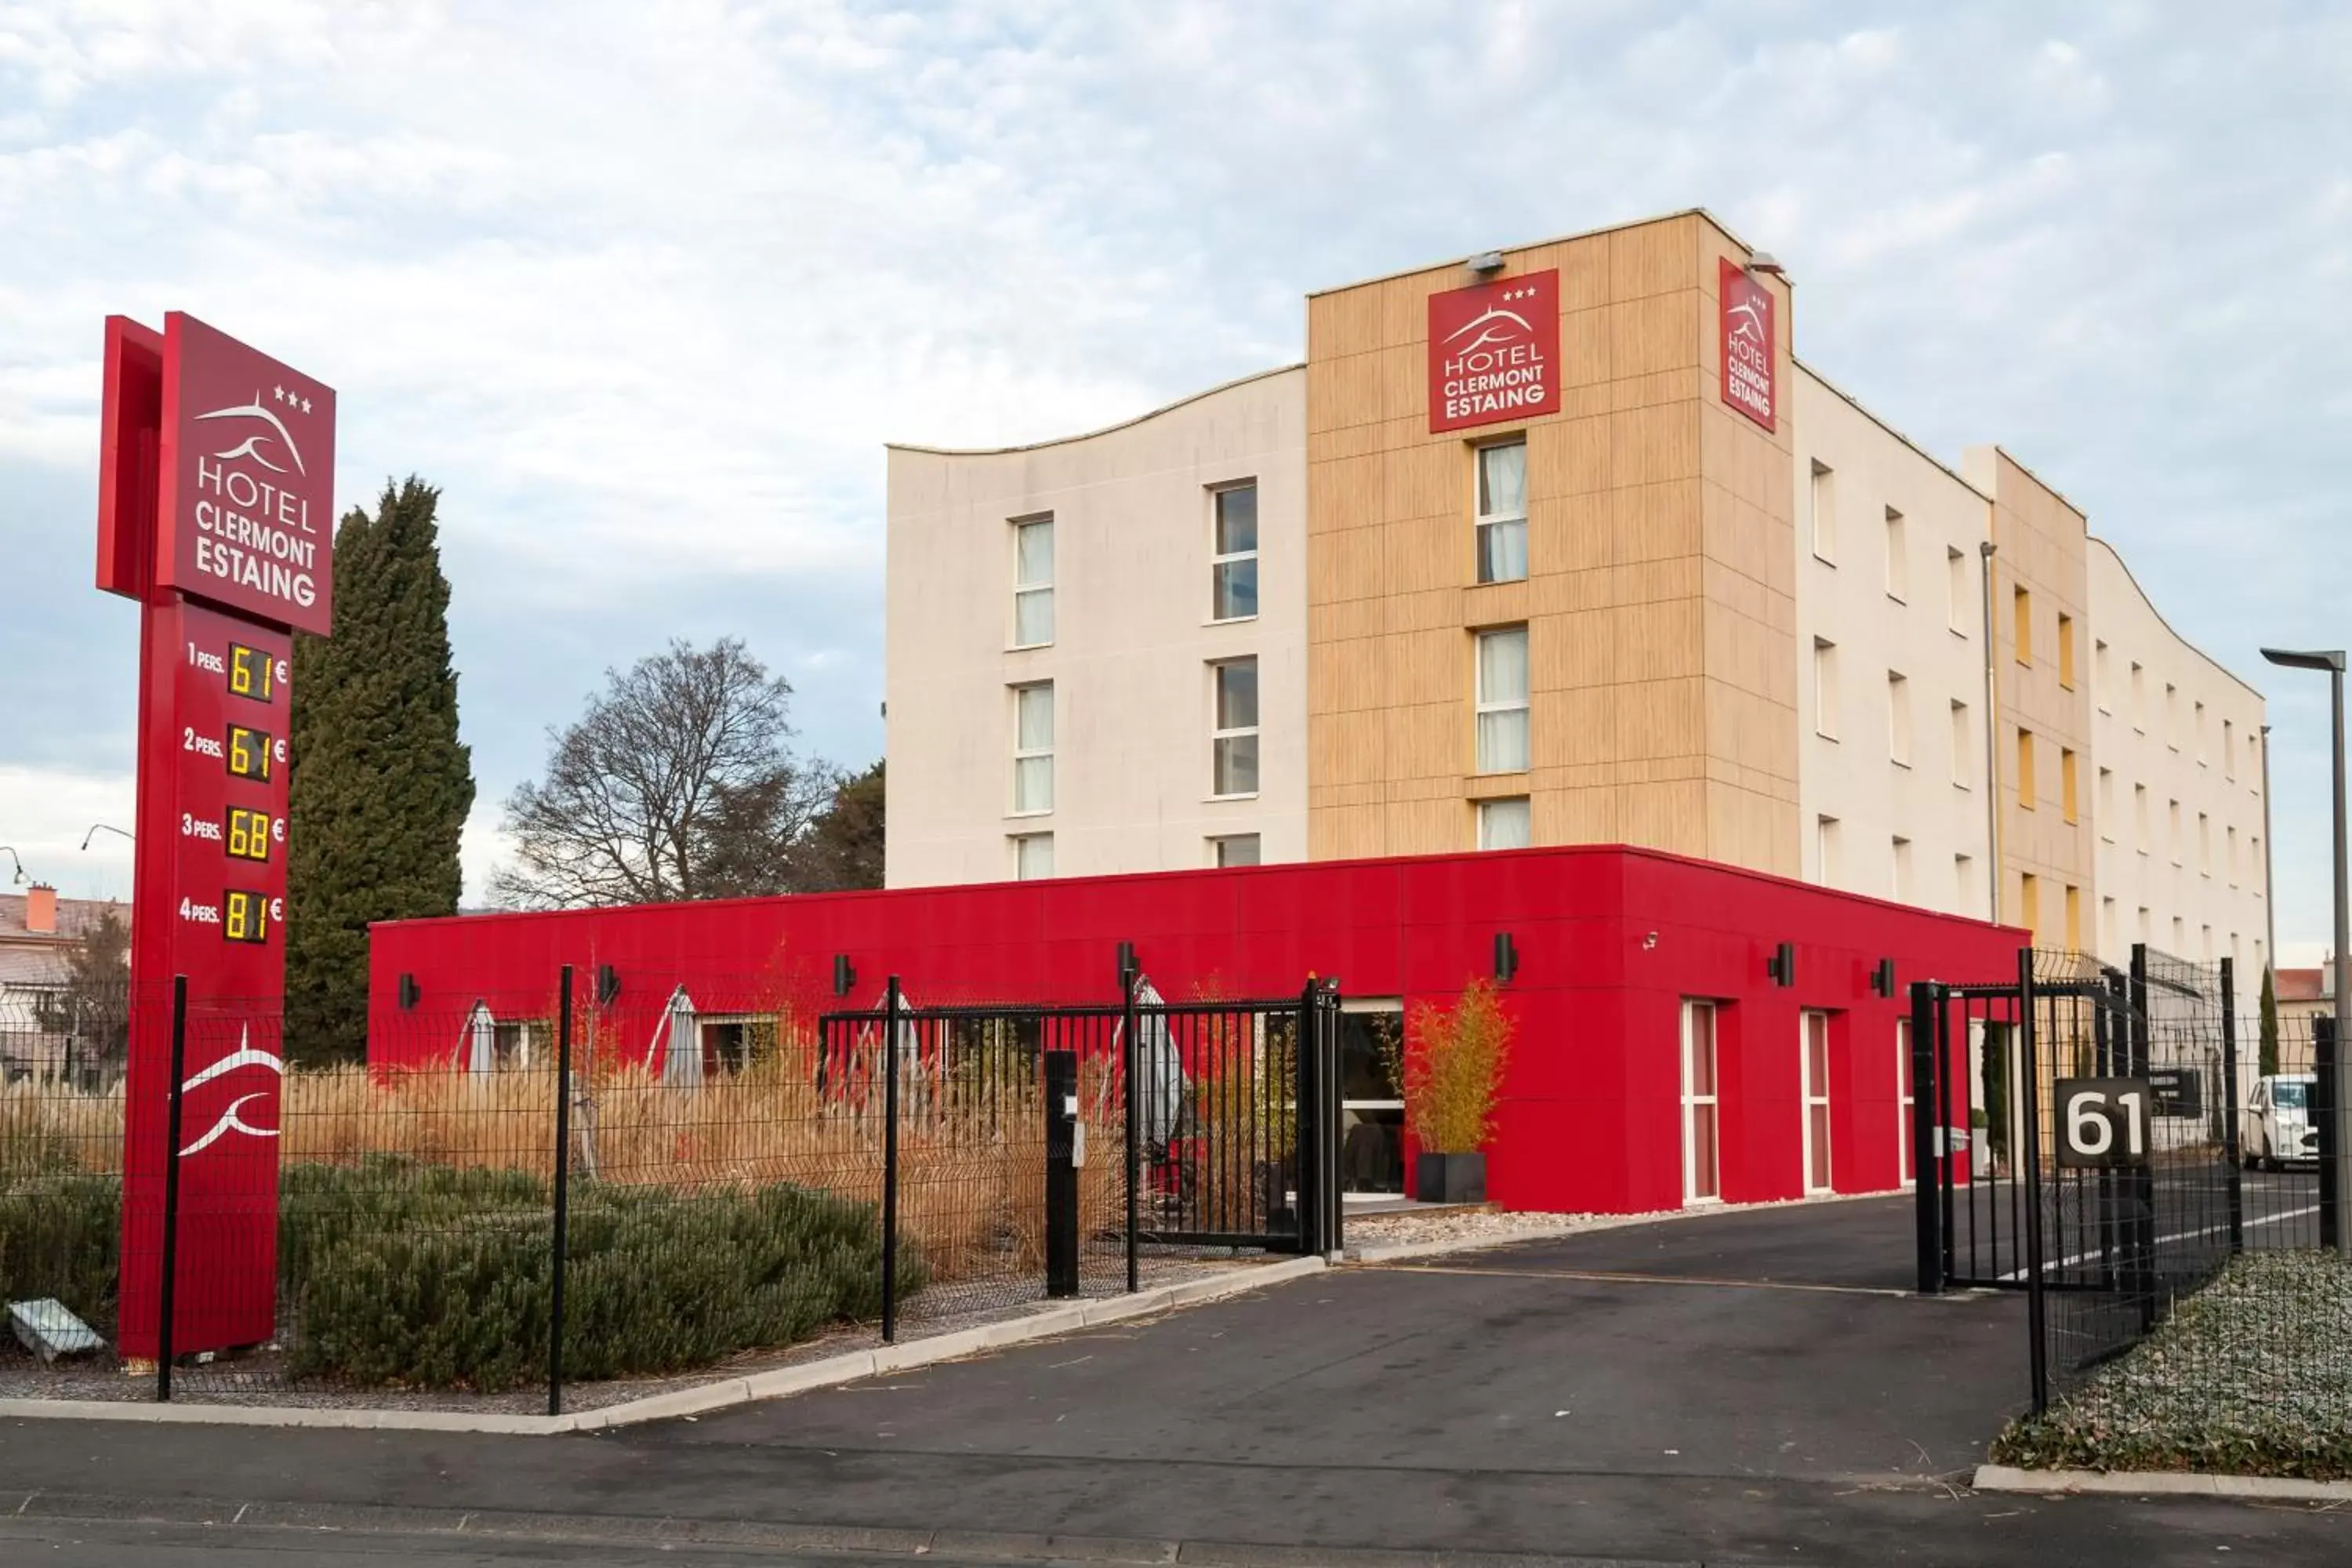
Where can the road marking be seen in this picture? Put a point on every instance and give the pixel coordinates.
(1606, 1277)
(2223, 1229)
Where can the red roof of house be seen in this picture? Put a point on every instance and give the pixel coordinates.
(28, 958)
(2302, 984)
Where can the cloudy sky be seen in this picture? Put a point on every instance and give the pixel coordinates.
(645, 289)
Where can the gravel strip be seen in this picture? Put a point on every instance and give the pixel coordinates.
(2250, 1376)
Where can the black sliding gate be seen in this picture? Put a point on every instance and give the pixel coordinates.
(2080, 1129)
(1028, 1145)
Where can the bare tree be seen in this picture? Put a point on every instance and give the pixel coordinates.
(677, 782)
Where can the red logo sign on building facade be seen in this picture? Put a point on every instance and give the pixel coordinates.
(1494, 351)
(216, 512)
(1748, 339)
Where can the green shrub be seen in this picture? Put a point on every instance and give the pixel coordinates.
(60, 1236)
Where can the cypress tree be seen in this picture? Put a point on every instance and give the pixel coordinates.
(2267, 1054)
(379, 784)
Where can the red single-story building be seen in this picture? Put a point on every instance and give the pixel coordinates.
(1662, 1055)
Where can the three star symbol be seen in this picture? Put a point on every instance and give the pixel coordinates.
(291, 399)
(1526, 293)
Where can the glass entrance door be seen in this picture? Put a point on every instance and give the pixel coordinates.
(1372, 1101)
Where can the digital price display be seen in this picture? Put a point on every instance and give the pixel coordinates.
(251, 673)
(245, 916)
(249, 833)
(249, 753)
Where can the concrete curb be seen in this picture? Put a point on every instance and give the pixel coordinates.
(881, 1541)
(723, 1393)
(2159, 1483)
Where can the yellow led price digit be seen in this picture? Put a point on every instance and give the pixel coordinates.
(249, 753)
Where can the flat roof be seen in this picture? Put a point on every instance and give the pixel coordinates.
(1554, 239)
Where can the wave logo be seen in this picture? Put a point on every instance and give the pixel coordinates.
(244, 1056)
(1494, 325)
(1747, 316)
(257, 444)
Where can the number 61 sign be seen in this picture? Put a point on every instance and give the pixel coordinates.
(2103, 1121)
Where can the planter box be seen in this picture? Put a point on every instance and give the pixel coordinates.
(1449, 1178)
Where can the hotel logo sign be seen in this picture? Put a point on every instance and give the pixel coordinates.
(1747, 341)
(1494, 351)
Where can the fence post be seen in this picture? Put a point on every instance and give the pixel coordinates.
(1306, 1139)
(560, 1252)
(891, 1004)
(2230, 1107)
(2030, 1070)
(2327, 1072)
(1061, 1154)
(1927, 1155)
(1128, 1057)
(1335, 1240)
(167, 1287)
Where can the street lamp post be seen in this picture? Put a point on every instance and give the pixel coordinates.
(2332, 661)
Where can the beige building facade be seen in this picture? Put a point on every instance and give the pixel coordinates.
(1561, 545)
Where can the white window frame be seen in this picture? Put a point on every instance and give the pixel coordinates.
(1899, 718)
(1823, 509)
(1964, 747)
(1218, 841)
(1485, 520)
(1219, 559)
(1955, 592)
(1021, 842)
(1485, 813)
(1825, 850)
(1907, 1098)
(1219, 735)
(1825, 688)
(1519, 704)
(1898, 558)
(1031, 754)
(1694, 1006)
(1023, 589)
(1815, 1094)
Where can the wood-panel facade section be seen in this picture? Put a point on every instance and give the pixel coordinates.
(1659, 599)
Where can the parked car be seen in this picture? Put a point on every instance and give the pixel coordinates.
(2277, 1125)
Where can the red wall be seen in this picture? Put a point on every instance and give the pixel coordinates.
(1610, 941)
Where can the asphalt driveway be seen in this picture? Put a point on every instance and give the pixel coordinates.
(1741, 1387)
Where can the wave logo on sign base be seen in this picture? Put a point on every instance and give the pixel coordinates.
(1491, 320)
(244, 1056)
(251, 446)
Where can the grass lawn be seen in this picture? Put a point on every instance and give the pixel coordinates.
(2252, 1376)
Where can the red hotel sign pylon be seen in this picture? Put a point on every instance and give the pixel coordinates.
(217, 513)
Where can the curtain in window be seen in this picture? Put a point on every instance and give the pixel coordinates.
(1502, 699)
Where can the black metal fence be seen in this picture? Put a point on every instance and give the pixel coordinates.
(2109, 1141)
(535, 1198)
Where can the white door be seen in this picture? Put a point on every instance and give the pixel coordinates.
(1816, 1046)
(1702, 1173)
(1905, 1100)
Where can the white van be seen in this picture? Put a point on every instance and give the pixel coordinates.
(2276, 1125)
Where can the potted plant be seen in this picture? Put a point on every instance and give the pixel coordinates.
(1453, 1082)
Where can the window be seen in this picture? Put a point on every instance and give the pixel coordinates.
(2230, 854)
(2255, 870)
(2172, 715)
(1232, 565)
(1898, 559)
(1032, 857)
(2174, 811)
(2197, 731)
(1232, 743)
(1963, 746)
(2029, 901)
(1905, 1099)
(2024, 769)
(2066, 652)
(1234, 849)
(2145, 925)
(2139, 814)
(1825, 850)
(1825, 513)
(2228, 750)
(1816, 1046)
(2204, 845)
(1902, 890)
(1964, 882)
(2179, 938)
(2138, 697)
(1702, 1182)
(2107, 804)
(1033, 582)
(2107, 926)
(1033, 749)
(1898, 719)
(1506, 823)
(1502, 700)
(2205, 943)
(2074, 918)
(2102, 686)
(1503, 511)
(2069, 783)
(2021, 631)
(1956, 590)
(1825, 703)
